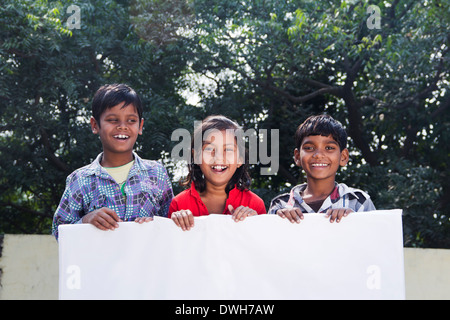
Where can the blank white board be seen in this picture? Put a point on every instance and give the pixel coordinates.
(263, 257)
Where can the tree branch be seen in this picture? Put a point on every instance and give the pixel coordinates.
(54, 159)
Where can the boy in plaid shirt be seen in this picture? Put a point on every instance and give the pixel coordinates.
(119, 185)
(320, 150)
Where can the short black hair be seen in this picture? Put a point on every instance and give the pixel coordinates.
(241, 178)
(110, 95)
(321, 125)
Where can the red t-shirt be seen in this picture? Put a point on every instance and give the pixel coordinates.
(190, 199)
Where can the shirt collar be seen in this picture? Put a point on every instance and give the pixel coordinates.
(95, 168)
(233, 194)
(340, 190)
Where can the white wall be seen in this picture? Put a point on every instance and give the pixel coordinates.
(29, 265)
(427, 274)
(29, 270)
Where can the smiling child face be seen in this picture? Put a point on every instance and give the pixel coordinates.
(320, 157)
(118, 130)
(220, 157)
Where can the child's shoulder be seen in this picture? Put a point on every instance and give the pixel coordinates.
(82, 172)
(352, 192)
(282, 197)
(150, 164)
(154, 167)
(285, 196)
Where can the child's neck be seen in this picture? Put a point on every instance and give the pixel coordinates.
(214, 198)
(116, 160)
(212, 190)
(318, 190)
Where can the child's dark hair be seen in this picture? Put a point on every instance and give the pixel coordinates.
(241, 178)
(110, 95)
(321, 125)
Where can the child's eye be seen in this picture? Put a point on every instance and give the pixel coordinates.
(330, 148)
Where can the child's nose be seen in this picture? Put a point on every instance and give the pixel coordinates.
(318, 153)
(218, 156)
(122, 125)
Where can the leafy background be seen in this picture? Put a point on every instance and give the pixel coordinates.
(267, 64)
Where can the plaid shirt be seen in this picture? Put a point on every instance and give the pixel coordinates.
(148, 192)
(341, 197)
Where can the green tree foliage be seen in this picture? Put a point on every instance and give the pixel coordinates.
(267, 64)
(48, 75)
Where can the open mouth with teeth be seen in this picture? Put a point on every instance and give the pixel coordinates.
(319, 165)
(219, 168)
(121, 137)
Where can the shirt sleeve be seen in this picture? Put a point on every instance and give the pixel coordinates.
(277, 203)
(70, 207)
(367, 206)
(167, 192)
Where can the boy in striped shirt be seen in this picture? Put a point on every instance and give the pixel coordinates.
(320, 150)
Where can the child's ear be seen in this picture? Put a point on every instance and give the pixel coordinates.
(344, 157)
(297, 161)
(94, 125)
(141, 126)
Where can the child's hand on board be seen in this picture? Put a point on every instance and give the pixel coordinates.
(183, 219)
(337, 214)
(103, 218)
(241, 212)
(141, 220)
(294, 215)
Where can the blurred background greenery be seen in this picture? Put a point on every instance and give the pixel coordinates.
(267, 64)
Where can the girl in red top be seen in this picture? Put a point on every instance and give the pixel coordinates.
(218, 177)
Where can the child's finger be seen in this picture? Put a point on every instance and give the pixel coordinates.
(331, 213)
(111, 213)
(239, 213)
(235, 212)
(108, 218)
(299, 214)
(335, 215)
(280, 213)
(190, 218)
(174, 218)
(141, 220)
(252, 213)
(243, 212)
(294, 215)
(186, 219)
(103, 221)
(181, 220)
(344, 212)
